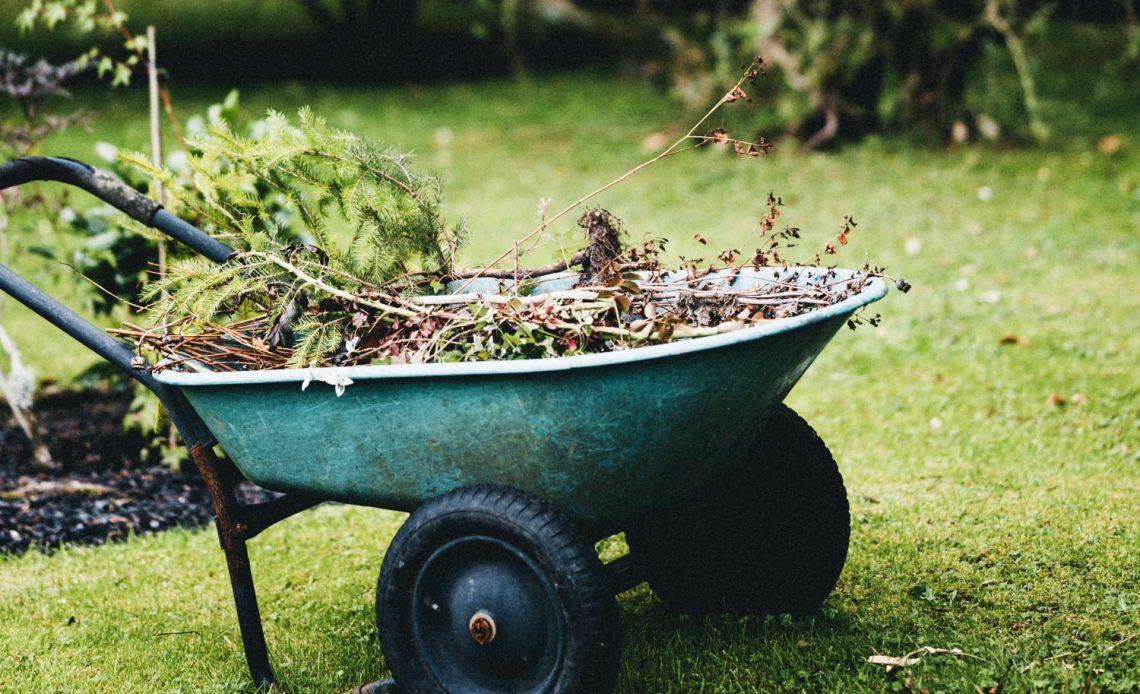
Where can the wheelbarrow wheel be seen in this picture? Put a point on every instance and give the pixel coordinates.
(769, 537)
(489, 589)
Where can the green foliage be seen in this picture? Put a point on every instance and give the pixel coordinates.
(280, 197)
(849, 69)
(89, 17)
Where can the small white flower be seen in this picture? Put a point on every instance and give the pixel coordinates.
(985, 193)
(350, 345)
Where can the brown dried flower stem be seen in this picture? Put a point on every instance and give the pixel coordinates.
(729, 96)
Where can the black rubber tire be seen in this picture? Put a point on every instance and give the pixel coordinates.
(515, 559)
(769, 537)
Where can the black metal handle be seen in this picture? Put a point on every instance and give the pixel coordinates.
(138, 207)
(112, 191)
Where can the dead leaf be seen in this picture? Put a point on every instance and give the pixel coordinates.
(1055, 399)
(700, 239)
(1109, 144)
(1016, 340)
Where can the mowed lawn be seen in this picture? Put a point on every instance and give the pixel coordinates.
(988, 430)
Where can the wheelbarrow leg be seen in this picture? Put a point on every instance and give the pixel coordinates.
(237, 561)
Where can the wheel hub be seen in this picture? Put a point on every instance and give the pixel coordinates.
(482, 628)
(486, 615)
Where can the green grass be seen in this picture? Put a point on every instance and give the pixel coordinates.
(984, 517)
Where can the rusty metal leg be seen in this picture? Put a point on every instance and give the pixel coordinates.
(221, 486)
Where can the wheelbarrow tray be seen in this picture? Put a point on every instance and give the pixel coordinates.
(601, 436)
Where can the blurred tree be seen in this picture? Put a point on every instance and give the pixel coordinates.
(867, 66)
(848, 67)
(860, 66)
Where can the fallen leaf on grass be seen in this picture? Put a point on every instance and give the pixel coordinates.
(916, 656)
(1017, 340)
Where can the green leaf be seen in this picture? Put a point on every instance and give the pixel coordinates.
(54, 13)
(26, 20)
(122, 75)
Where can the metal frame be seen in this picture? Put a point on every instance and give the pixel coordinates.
(236, 522)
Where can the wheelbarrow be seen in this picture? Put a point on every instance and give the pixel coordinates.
(511, 471)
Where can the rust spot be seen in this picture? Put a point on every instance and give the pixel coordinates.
(482, 628)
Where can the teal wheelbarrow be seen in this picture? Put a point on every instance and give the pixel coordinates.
(511, 471)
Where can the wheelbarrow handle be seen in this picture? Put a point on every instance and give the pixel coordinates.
(105, 187)
(119, 195)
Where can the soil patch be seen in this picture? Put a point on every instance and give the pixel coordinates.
(105, 488)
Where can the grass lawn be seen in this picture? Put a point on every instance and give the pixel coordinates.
(988, 431)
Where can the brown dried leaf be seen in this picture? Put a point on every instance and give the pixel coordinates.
(700, 239)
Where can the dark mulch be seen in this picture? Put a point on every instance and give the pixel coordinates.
(103, 490)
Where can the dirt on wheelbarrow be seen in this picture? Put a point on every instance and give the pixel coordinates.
(109, 483)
